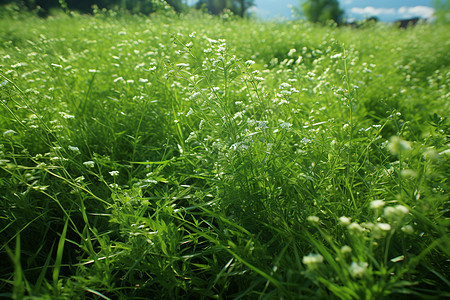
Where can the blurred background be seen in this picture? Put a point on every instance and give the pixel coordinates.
(341, 11)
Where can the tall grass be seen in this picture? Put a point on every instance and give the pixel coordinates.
(199, 157)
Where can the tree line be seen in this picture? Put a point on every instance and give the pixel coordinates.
(238, 7)
(314, 10)
(86, 6)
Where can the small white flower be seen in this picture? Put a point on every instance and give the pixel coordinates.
(357, 269)
(249, 62)
(114, 173)
(291, 52)
(355, 227)
(114, 185)
(312, 260)
(402, 210)
(262, 124)
(336, 56)
(286, 125)
(397, 145)
(73, 148)
(79, 179)
(431, 154)
(89, 164)
(313, 219)
(346, 249)
(344, 221)
(408, 173)
(368, 225)
(389, 212)
(395, 213)
(376, 204)
(408, 229)
(66, 116)
(190, 112)
(383, 226)
(180, 65)
(284, 85)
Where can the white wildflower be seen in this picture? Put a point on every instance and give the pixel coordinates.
(408, 229)
(89, 164)
(346, 249)
(390, 213)
(262, 124)
(114, 185)
(344, 221)
(66, 116)
(313, 219)
(114, 173)
(355, 227)
(286, 125)
(395, 213)
(312, 260)
(79, 179)
(376, 204)
(284, 85)
(402, 210)
(336, 56)
(397, 145)
(408, 173)
(357, 269)
(383, 226)
(249, 62)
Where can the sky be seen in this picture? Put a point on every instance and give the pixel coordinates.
(385, 10)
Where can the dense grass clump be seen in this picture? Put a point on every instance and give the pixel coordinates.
(199, 157)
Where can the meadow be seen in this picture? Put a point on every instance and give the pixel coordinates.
(199, 157)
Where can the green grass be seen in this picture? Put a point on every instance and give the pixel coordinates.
(199, 157)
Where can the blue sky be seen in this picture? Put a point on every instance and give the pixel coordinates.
(385, 10)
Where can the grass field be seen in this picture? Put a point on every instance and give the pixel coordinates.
(198, 157)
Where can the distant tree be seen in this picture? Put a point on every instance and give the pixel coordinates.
(372, 19)
(243, 6)
(321, 11)
(215, 7)
(442, 11)
(85, 6)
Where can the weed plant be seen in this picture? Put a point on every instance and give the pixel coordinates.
(179, 157)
